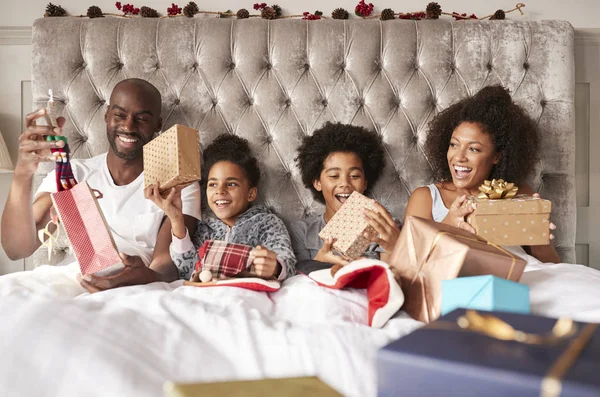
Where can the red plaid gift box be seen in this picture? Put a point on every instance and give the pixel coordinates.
(88, 233)
(223, 260)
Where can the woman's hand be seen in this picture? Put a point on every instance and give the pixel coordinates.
(326, 255)
(265, 262)
(384, 224)
(460, 208)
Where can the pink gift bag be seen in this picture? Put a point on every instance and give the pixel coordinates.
(86, 228)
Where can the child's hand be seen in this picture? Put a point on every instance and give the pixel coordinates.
(326, 255)
(384, 224)
(265, 262)
(171, 204)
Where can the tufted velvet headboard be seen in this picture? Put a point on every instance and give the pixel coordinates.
(275, 81)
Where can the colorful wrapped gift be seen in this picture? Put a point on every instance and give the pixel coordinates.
(428, 252)
(488, 293)
(88, 232)
(172, 158)
(220, 260)
(504, 218)
(470, 353)
(290, 387)
(348, 227)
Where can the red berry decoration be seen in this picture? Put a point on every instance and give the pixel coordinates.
(312, 17)
(413, 16)
(259, 6)
(363, 10)
(173, 10)
(118, 5)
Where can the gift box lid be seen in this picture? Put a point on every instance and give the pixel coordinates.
(520, 204)
(290, 387)
(442, 356)
(489, 293)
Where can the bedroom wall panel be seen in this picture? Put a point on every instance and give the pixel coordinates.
(15, 102)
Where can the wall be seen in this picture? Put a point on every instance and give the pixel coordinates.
(15, 68)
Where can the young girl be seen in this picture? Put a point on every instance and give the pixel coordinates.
(232, 176)
(335, 161)
(484, 137)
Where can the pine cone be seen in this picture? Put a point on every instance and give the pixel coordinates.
(148, 12)
(268, 13)
(190, 9)
(339, 13)
(54, 11)
(500, 14)
(387, 14)
(242, 14)
(433, 10)
(277, 10)
(94, 12)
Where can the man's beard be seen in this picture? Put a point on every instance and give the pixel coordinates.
(132, 155)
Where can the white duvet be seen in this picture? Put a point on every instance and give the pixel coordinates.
(57, 340)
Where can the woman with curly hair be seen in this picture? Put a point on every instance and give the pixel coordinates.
(486, 136)
(335, 161)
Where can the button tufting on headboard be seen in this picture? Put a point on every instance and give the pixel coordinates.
(273, 82)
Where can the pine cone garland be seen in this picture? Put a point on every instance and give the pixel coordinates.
(277, 10)
(95, 12)
(148, 12)
(190, 9)
(433, 10)
(500, 14)
(54, 11)
(242, 14)
(268, 13)
(387, 14)
(340, 13)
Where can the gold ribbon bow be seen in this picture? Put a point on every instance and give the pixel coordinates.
(497, 189)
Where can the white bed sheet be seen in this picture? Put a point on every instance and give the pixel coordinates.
(57, 340)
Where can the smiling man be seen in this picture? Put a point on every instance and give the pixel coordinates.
(139, 227)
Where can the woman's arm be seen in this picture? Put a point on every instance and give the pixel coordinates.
(419, 204)
(544, 253)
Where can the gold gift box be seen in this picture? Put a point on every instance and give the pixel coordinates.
(522, 220)
(348, 227)
(172, 158)
(284, 387)
(428, 252)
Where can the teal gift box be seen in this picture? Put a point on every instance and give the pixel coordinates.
(488, 293)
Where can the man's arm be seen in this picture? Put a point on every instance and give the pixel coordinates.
(20, 219)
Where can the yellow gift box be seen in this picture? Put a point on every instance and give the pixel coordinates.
(172, 158)
(502, 217)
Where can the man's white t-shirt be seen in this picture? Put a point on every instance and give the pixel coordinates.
(133, 220)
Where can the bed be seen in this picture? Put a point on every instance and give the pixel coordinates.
(272, 82)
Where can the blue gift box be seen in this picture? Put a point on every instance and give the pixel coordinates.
(489, 293)
(443, 359)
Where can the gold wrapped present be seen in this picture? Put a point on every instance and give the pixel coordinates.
(288, 387)
(348, 227)
(428, 252)
(172, 158)
(504, 218)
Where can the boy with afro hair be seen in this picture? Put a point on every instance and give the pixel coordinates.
(231, 176)
(335, 161)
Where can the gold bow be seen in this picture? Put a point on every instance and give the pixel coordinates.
(497, 189)
(499, 329)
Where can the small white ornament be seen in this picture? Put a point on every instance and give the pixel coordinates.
(205, 276)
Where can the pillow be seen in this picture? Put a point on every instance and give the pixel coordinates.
(383, 291)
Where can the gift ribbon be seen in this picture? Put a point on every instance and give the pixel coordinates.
(48, 239)
(564, 328)
(439, 235)
(497, 189)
